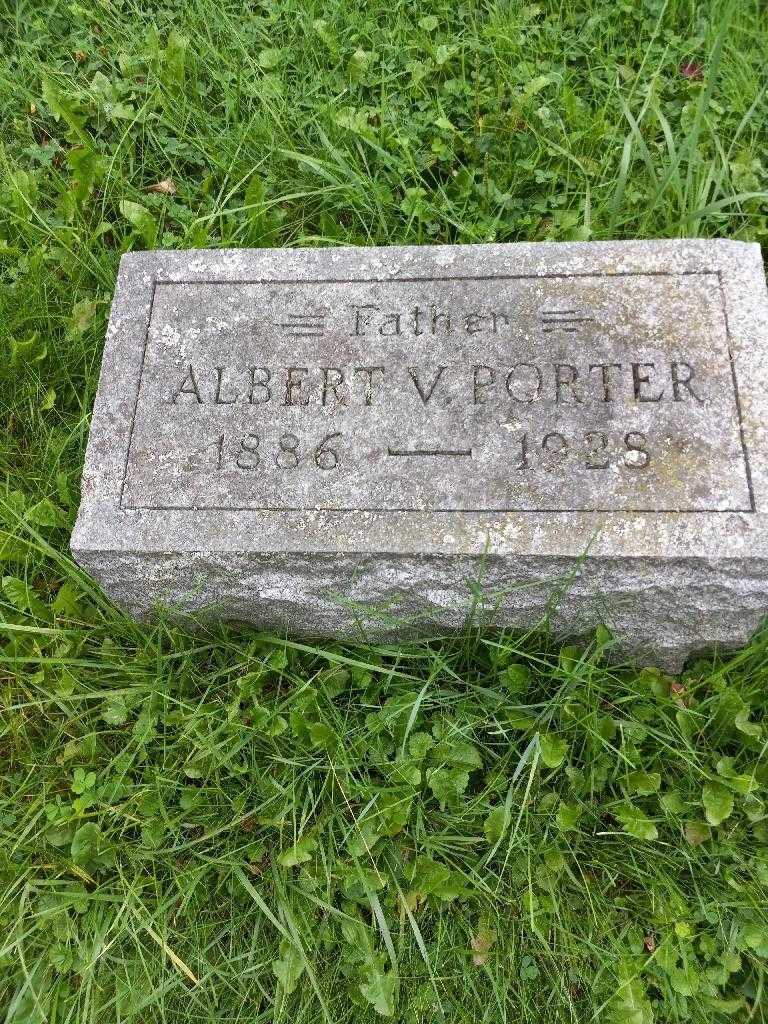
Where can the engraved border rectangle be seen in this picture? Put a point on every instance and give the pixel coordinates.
(455, 277)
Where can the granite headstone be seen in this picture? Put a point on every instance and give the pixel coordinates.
(354, 441)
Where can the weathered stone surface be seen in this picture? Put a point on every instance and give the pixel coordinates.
(345, 440)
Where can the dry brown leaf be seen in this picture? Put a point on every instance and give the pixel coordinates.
(679, 693)
(166, 187)
(692, 70)
(481, 944)
(650, 943)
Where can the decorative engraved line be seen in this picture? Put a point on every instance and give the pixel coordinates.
(742, 437)
(430, 451)
(138, 390)
(304, 325)
(454, 277)
(474, 511)
(560, 319)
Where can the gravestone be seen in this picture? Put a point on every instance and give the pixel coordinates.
(357, 442)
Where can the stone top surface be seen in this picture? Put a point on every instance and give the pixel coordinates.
(538, 398)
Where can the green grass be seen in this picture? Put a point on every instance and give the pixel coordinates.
(232, 827)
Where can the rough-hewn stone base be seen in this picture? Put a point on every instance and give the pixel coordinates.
(650, 363)
(659, 614)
